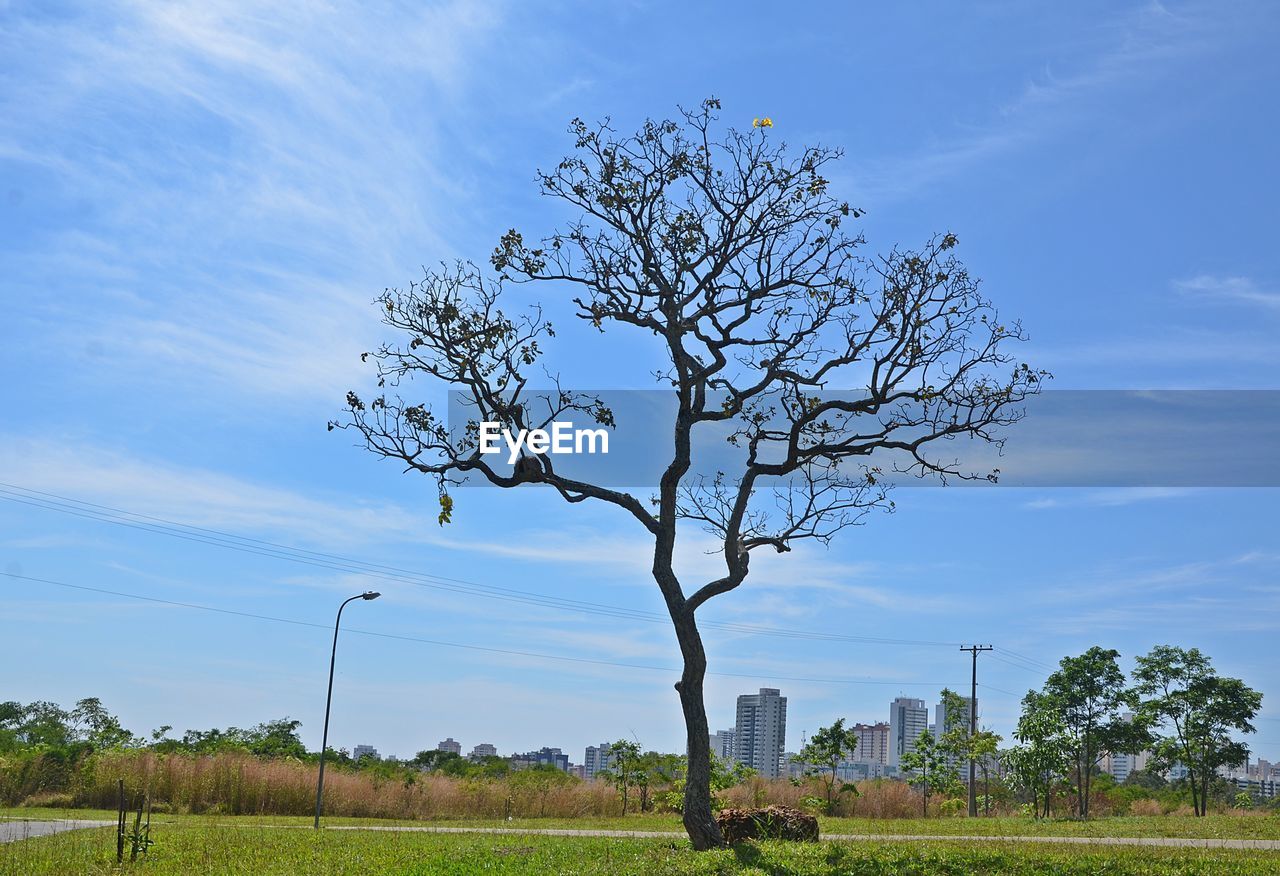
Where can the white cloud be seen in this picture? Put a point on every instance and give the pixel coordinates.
(1239, 289)
(246, 183)
(1107, 498)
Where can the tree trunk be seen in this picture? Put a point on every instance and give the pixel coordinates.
(699, 822)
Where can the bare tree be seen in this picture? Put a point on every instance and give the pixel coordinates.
(730, 252)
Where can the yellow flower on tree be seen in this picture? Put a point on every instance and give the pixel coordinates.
(762, 123)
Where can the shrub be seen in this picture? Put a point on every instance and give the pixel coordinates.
(769, 822)
(1146, 807)
(50, 800)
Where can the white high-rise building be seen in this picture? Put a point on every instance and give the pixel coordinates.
(760, 733)
(484, 749)
(596, 760)
(722, 744)
(448, 744)
(908, 720)
(364, 751)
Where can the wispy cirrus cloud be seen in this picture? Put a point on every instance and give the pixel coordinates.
(1108, 498)
(237, 185)
(1137, 48)
(1242, 290)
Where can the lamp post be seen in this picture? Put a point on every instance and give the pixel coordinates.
(324, 741)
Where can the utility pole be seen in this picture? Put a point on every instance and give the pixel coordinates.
(973, 726)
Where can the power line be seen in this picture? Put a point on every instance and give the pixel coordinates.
(1028, 660)
(447, 644)
(1021, 666)
(335, 562)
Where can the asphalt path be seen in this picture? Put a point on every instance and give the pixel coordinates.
(24, 829)
(20, 829)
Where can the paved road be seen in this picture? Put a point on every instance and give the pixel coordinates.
(20, 829)
(1180, 842)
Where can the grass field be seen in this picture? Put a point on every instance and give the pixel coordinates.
(1210, 827)
(189, 847)
(249, 845)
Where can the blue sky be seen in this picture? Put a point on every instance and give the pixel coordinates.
(198, 203)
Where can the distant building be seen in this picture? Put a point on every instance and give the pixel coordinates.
(364, 751)
(543, 756)
(722, 744)
(1119, 766)
(596, 760)
(908, 720)
(450, 746)
(760, 733)
(873, 743)
(483, 750)
(856, 771)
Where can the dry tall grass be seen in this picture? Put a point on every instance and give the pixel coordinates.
(237, 784)
(240, 784)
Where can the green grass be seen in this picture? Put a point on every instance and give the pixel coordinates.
(190, 846)
(1212, 826)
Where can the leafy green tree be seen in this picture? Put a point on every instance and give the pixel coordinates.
(658, 771)
(732, 255)
(1090, 695)
(624, 768)
(91, 722)
(278, 738)
(46, 724)
(1198, 711)
(825, 751)
(983, 748)
(1044, 754)
(726, 773)
(931, 768)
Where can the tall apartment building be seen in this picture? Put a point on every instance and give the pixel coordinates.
(760, 733)
(596, 760)
(364, 751)
(908, 720)
(722, 744)
(449, 745)
(484, 749)
(873, 743)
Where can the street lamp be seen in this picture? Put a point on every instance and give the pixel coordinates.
(324, 741)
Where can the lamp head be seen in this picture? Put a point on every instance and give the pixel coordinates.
(370, 594)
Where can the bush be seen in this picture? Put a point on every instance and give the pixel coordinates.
(50, 800)
(770, 822)
(1146, 807)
